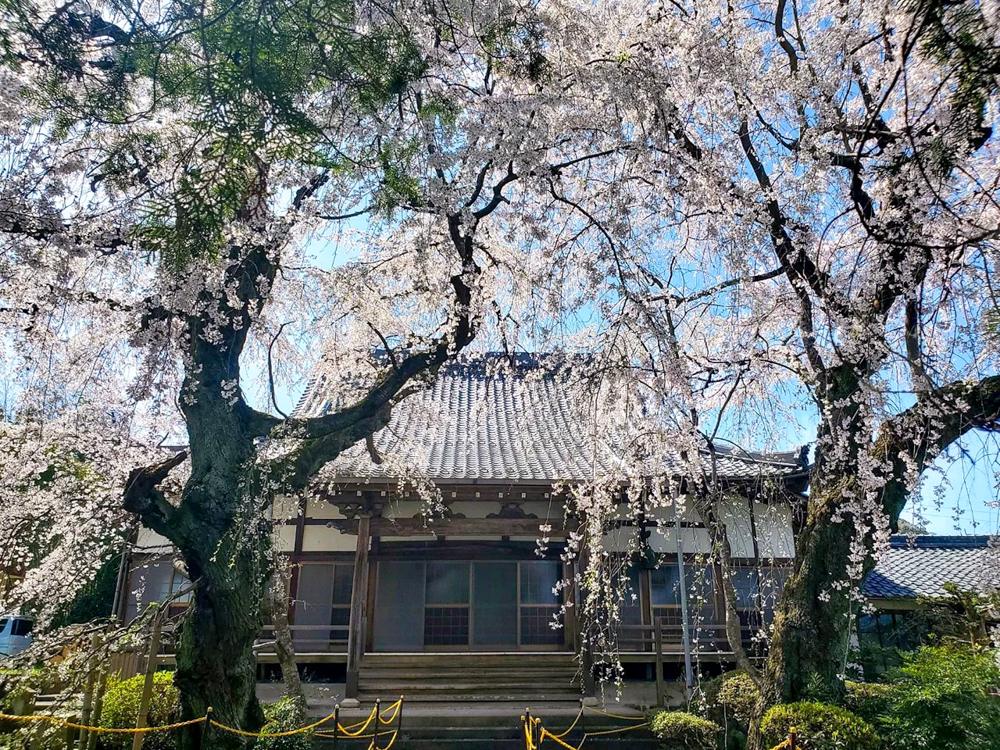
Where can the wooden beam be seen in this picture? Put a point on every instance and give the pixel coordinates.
(359, 599)
(388, 527)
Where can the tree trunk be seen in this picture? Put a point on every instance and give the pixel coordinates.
(812, 625)
(811, 638)
(216, 665)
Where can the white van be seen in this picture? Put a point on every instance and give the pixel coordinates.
(15, 634)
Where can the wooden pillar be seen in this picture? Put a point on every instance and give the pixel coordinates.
(359, 598)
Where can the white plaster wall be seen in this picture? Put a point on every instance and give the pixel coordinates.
(325, 539)
(693, 541)
(284, 538)
(735, 514)
(402, 508)
(285, 507)
(542, 508)
(473, 509)
(619, 539)
(319, 508)
(774, 530)
(474, 538)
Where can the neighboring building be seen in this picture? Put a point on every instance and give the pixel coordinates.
(381, 592)
(908, 588)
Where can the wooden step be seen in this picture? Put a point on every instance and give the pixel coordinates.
(476, 677)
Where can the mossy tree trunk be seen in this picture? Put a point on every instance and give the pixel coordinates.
(220, 526)
(813, 622)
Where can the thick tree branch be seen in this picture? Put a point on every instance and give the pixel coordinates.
(914, 355)
(42, 230)
(916, 437)
(143, 497)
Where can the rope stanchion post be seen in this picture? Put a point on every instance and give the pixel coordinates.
(399, 717)
(208, 726)
(336, 725)
(378, 720)
(583, 718)
(791, 738)
(102, 686)
(147, 685)
(88, 692)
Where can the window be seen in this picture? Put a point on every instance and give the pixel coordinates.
(447, 583)
(540, 603)
(21, 626)
(746, 582)
(772, 583)
(157, 582)
(698, 582)
(322, 606)
(446, 612)
(665, 600)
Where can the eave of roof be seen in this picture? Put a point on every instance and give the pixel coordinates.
(919, 567)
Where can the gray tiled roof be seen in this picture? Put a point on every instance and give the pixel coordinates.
(493, 418)
(920, 566)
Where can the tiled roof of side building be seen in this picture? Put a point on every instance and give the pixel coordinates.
(494, 418)
(920, 566)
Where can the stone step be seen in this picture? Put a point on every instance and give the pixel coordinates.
(436, 678)
(415, 689)
(509, 737)
(471, 743)
(479, 658)
(511, 697)
(469, 675)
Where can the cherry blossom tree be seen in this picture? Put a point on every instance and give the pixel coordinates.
(798, 211)
(744, 211)
(196, 193)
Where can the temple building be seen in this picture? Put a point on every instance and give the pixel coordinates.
(394, 597)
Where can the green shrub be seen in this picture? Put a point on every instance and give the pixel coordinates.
(738, 696)
(677, 730)
(820, 726)
(729, 701)
(282, 717)
(870, 700)
(942, 697)
(121, 707)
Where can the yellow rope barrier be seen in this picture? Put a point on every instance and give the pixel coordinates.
(617, 731)
(350, 733)
(100, 730)
(352, 727)
(395, 712)
(346, 732)
(287, 733)
(545, 734)
(570, 728)
(529, 742)
(615, 716)
(395, 733)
